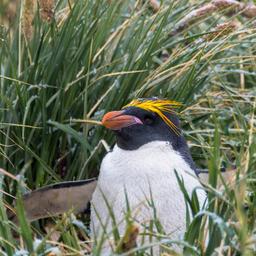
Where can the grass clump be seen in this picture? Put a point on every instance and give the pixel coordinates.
(80, 59)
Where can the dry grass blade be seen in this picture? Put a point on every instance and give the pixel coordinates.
(4, 172)
(86, 121)
(86, 58)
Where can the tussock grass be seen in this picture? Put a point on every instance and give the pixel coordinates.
(89, 57)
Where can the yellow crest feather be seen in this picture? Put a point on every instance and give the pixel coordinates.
(158, 106)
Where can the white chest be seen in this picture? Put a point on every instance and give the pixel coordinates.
(142, 176)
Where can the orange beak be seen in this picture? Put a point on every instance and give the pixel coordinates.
(116, 120)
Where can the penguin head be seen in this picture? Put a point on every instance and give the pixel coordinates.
(143, 121)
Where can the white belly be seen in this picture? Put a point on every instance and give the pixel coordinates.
(143, 175)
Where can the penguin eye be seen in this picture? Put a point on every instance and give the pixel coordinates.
(148, 119)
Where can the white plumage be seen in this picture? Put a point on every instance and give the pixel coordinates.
(150, 168)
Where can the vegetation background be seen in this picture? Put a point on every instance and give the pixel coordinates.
(61, 61)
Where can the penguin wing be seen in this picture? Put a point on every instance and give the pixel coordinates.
(59, 198)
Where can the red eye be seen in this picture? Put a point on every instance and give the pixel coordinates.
(148, 120)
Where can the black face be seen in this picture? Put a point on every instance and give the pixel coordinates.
(153, 128)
